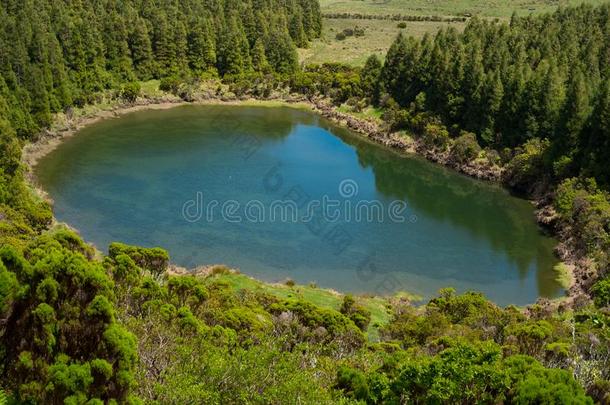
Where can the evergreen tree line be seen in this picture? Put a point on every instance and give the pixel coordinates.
(545, 77)
(54, 54)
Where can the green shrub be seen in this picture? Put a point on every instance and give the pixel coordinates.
(154, 260)
(586, 208)
(62, 323)
(170, 84)
(569, 191)
(464, 373)
(435, 136)
(125, 270)
(353, 383)
(527, 167)
(465, 148)
(395, 117)
(534, 384)
(531, 336)
(187, 290)
(333, 323)
(601, 292)
(357, 313)
(131, 91)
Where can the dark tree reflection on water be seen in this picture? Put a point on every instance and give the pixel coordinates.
(127, 180)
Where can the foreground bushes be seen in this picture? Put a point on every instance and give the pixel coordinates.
(122, 328)
(59, 337)
(154, 260)
(461, 373)
(586, 208)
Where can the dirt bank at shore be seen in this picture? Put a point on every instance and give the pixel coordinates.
(68, 125)
(477, 169)
(580, 268)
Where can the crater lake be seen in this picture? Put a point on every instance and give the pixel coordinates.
(281, 193)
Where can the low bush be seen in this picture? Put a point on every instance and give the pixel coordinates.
(154, 260)
(465, 148)
(131, 91)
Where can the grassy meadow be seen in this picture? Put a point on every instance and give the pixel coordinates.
(484, 8)
(325, 298)
(379, 34)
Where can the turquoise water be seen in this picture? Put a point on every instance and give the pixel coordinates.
(239, 185)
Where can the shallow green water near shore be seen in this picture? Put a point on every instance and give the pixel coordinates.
(281, 193)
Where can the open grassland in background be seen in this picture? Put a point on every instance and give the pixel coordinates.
(486, 8)
(379, 34)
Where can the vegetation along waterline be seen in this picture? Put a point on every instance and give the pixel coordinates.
(530, 97)
(154, 99)
(198, 158)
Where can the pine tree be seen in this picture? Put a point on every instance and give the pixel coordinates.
(180, 61)
(114, 34)
(493, 94)
(393, 67)
(455, 98)
(164, 48)
(309, 21)
(473, 88)
(280, 50)
(259, 59)
(597, 153)
(10, 151)
(440, 86)
(297, 30)
(40, 107)
(369, 78)
(575, 114)
(514, 105)
(141, 49)
(231, 58)
(18, 113)
(553, 97)
(201, 54)
(61, 95)
(316, 18)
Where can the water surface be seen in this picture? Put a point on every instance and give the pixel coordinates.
(148, 178)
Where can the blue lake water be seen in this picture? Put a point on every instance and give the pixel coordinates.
(282, 193)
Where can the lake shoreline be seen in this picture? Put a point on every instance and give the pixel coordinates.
(49, 139)
(68, 125)
(575, 266)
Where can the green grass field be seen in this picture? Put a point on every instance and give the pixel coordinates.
(487, 8)
(319, 296)
(379, 34)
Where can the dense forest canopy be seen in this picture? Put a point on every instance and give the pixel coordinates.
(54, 54)
(78, 327)
(544, 77)
(534, 93)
